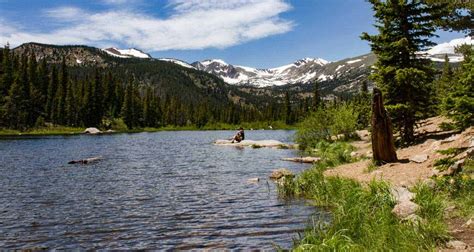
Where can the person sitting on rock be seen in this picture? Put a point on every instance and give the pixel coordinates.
(239, 136)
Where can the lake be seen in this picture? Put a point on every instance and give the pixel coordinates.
(164, 190)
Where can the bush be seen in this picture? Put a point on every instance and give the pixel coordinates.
(324, 123)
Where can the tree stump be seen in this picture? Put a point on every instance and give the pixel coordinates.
(383, 147)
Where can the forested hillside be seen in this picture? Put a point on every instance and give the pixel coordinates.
(84, 86)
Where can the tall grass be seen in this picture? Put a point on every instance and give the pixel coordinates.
(361, 215)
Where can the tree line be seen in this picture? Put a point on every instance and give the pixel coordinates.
(35, 93)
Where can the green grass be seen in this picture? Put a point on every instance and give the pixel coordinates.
(361, 215)
(119, 127)
(56, 130)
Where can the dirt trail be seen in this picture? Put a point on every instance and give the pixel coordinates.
(406, 172)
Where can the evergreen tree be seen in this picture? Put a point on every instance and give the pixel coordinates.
(52, 86)
(288, 114)
(458, 104)
(316, 96)
(7, 69)
(127, 109)
(404, 29)
(71, 108)
(17, 105)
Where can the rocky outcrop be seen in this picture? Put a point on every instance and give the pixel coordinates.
(254, 144)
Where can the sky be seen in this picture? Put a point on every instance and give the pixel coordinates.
(255, 33)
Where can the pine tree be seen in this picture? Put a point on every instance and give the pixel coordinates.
(288, 117)
(316, 96)
(52, 86)
(458, 103)
(17, 105)
(404, 29)
(127, 109)
(70, 109)
(7, 77)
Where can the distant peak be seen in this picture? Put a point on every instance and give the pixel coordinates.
(210, 61)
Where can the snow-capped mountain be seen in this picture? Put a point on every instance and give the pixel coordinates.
(300, 71)
(127, 53)
(437, 52)
(350, 71)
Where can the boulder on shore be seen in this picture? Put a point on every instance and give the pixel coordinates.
(280, 173)
(302, 159)
(92, 131)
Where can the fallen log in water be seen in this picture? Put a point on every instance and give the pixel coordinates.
(302, 159)
(85, 161)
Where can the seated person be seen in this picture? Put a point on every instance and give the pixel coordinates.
(239, 136)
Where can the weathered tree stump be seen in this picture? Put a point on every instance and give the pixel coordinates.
(383, 147)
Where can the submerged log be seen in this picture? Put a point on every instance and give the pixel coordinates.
(383, 147)
(85, 161)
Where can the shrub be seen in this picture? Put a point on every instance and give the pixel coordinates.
(324, 123)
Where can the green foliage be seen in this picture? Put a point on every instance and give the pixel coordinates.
(324, 123)
(404, 78)
(458, 102)
(361, 216)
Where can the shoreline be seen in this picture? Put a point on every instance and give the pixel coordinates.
(71, 131)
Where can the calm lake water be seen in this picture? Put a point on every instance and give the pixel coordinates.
(165, 190)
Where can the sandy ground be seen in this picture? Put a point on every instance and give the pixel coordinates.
(405, 172)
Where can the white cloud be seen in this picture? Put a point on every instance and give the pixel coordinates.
(193, 24)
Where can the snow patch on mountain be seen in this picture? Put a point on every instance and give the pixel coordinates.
(178, 62)
(353, 61)
(126, 53)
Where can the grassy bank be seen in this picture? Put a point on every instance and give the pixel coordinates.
(120, 127)
(362, 218)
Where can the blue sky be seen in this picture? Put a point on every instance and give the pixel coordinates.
(257, 33)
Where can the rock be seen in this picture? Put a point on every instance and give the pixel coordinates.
(430, 183)
(449, 209)
(457, 245)
(450, 139)
(401, 194)
(253, 180)
(355, 154)
(279, 173)
(469, 224)
(92, 131)
(419, 158)
(110, 131)
(455, 168)
(85, 161)
(303, 159)
(363, 134)
(405, 208)
(435, 172)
